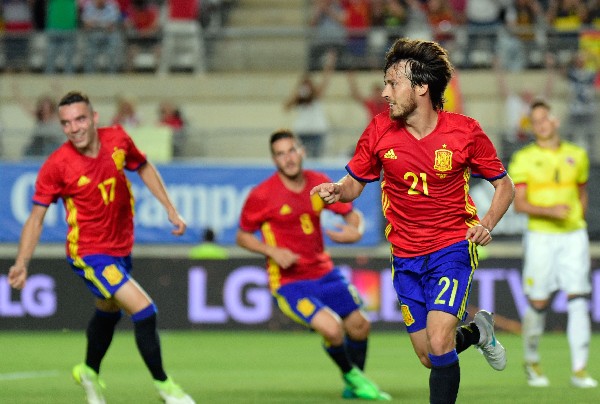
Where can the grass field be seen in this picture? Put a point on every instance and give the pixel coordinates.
(260, 367)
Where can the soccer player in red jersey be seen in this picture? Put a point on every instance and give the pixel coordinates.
(87, 173)
(427, 157)
(302, 277)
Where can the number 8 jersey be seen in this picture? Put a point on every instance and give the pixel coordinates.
(291, 220)
(425, 186)
(96, 193)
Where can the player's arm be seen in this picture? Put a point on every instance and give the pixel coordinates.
(583, 198)
(30, 236)
(282, 256)
(504, 194)
(345, 190)
(522, 205)
(351, 231)
(150, 176)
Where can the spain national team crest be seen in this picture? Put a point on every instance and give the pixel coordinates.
(119, 158)
(443, 159)
(407, 315)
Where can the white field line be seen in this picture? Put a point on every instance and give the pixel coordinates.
(28, 375)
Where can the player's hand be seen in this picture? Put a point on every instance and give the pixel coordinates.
(329, 192)
(479, 235)
(178, 222)
(17, 275)
(346, 234)
(560, 212)
(284, 257)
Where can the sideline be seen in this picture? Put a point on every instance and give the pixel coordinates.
(28, 375)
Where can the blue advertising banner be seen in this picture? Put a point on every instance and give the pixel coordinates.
(206, 195)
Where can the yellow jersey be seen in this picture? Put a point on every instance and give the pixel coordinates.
(552, 177)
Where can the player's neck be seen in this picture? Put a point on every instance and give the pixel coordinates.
(421, 124)
(295, 184)
(552, 143)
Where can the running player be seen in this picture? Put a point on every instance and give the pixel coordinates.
(87, 173)
(427, 157)
(302, 277)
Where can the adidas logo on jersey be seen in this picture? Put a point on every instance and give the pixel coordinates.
(390, 154)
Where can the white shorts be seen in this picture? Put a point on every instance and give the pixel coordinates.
(556, 261)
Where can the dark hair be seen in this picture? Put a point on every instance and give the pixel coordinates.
(209, 235)
(73, 97)
(539, 103)
(428, 62)
(282, 134)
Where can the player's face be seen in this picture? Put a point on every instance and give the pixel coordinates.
(544, 124)
(399, 92)
(288, 155)
(79, 124)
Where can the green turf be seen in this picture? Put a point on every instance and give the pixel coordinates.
(277, 367)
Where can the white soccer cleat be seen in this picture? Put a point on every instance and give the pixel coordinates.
(490, 347)
(91, 383)
(582, 380)
(172, 393)
(535, 376)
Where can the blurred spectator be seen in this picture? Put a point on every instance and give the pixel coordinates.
(18, 26)
(311, 124)
(327, 19)
(38, 14)
(182, 35)
(517, 129)
(208, 249)
(417, 25)
(61, 35)
(373, 103)
(387, 19)
(101, 22)
(566, 17)
(593, 7)
(443, 23)
(170, 115)
(142, 30)
(126, 114)
(47, 134)
(484, 21)
(525, 33)
(582, 121)
(357, 23)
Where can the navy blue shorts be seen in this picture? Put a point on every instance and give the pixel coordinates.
(301, 300)
(437, 281)
(102, 274)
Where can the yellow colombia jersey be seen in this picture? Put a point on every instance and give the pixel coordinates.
(552, 177)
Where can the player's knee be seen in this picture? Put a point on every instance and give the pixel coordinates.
(333, 334)
(359, 330)
(424, 358)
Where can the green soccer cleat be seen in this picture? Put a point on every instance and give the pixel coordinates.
(171, 393)
(87, 378)
(359, 386)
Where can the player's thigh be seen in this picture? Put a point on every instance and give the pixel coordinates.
(441, 332)
(574, 263)
(299, 301)
(329, 325)
(540, 269)
(131, 297)
(419, 343)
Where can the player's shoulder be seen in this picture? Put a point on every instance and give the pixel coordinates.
(315, 177)
(114, 133)
(454, 120)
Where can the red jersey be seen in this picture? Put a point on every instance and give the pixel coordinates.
(95, 192)
(291, 220)
(425, 188)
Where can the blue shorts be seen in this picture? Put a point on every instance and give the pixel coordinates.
(102, 274)
(437, 281)
(301, 300)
